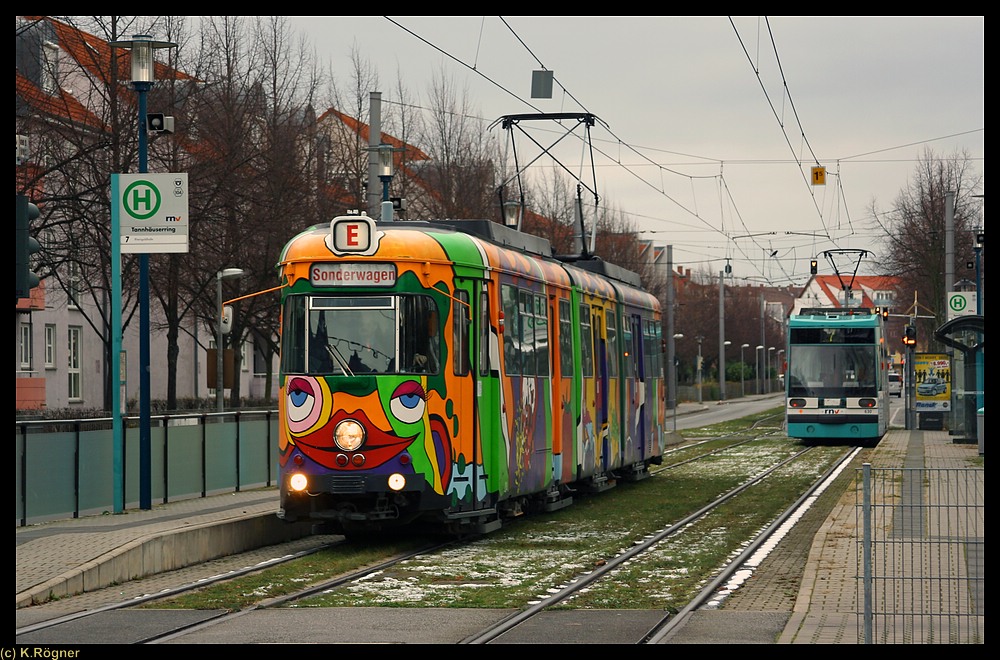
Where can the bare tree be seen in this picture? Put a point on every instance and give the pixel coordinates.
(255, 168)
(83, 131)
(461, 173)
(402, 120)
(915, 228)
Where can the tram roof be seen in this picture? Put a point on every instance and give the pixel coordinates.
(511, 238)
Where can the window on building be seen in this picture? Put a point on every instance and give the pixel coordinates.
(244, 363)
(259, 360)
(884, 298)
(50, 68)
(73, 284)
(50, 346)
(73, 361)
(26, 347)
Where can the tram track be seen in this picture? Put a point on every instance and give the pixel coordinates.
(525, 613)
(668, 624)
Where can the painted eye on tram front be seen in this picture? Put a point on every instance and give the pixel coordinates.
(408, 402)
(304, 403)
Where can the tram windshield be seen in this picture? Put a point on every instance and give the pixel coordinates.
(830, 370)
(352, 335)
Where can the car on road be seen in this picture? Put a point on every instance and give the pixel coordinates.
(895, 384)
(932, 386)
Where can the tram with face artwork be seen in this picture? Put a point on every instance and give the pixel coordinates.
(456, 374)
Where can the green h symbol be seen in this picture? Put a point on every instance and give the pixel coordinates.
(144, 197)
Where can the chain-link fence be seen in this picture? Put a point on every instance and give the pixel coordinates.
(920, 559)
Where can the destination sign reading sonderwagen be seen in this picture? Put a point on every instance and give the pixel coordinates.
(352, 274)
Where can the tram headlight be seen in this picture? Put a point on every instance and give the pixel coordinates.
(397, 481)
(866, 403)
(349, 435)
(298, 482)
(797, 403)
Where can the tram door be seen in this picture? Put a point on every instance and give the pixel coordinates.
(638, 391)
(601, 381)
(470, 330)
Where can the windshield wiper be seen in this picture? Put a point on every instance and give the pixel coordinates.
(339, 359)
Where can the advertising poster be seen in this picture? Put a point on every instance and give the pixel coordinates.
(932, 375)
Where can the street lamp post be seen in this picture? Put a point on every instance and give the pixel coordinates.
(142, 47)
(760, 383)
(674, 371)
(722, 370)
(767, 368)
(698, 339)
(743, 387)
(220, 381)
(777, 364)
(385, 176)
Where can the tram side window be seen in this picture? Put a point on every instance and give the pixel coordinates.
(541, 335)
(586, 343)
(420, 336)
(637, 348)
(293, 334)
(612, 334)
(649, 349)
(628, 343)
(460, 332)
(565, 340)
(511, 330)
(527, 316)
(484, 334)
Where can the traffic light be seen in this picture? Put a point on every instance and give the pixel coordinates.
(813, 266)
(910, 335)
(24, 246)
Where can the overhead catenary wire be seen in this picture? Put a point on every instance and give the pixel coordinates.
(656, 183)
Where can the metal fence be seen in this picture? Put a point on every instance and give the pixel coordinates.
(920, 560)
(67, 468)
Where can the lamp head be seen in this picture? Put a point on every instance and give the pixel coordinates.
(511, 211)
(229, 272)
(385, 161)
(142, 47)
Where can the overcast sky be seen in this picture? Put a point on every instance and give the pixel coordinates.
(708, 126)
